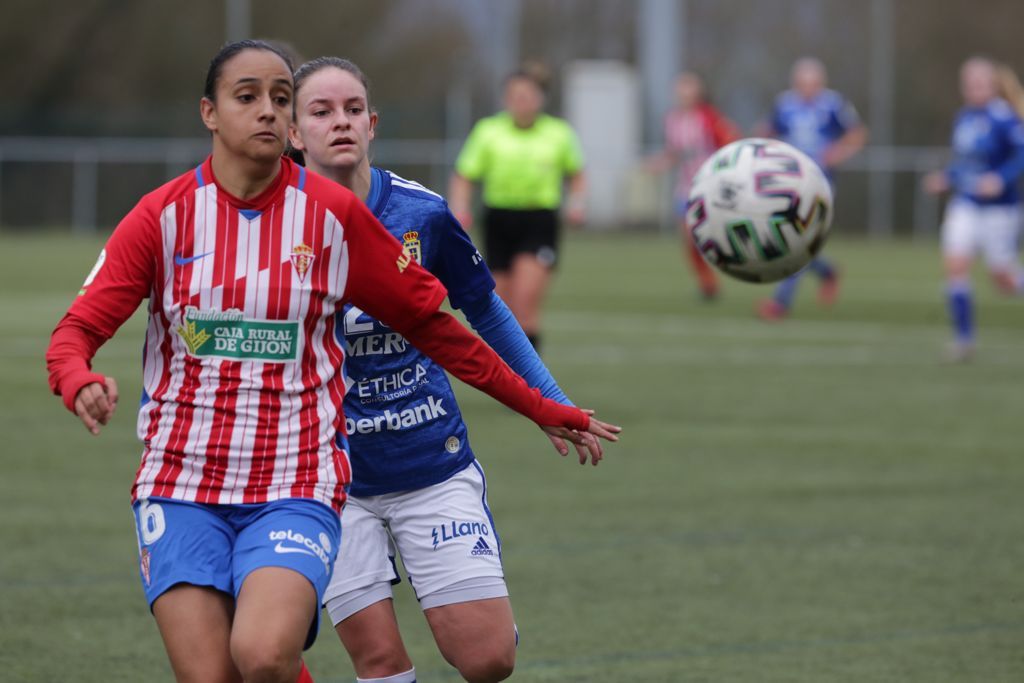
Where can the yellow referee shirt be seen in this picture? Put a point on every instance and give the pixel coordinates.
(520, 168)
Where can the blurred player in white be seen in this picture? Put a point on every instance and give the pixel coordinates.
(416, 485)
(694, 129)
(246, 260)
(984, 213)
(825, 126)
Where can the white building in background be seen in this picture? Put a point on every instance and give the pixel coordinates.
(601, 99)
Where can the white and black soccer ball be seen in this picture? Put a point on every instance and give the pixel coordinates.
(759, 209)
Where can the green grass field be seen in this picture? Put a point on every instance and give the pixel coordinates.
(819, 500)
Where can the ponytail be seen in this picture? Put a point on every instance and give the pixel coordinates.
(1010, 88)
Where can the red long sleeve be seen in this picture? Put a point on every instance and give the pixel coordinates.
(119, 281)
(392, 287)
(458, 351)
(67, 360)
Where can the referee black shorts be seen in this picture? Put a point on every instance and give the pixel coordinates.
(511, 232)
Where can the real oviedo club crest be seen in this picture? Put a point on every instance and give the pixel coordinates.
(411, 242)
(302, 259)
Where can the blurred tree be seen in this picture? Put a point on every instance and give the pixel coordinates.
(121, 67)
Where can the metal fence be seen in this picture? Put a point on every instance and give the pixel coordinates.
(888, 198)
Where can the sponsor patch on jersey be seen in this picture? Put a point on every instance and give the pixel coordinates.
(228, 334)
(92, 273)
(411, 241)
(449, 531)
(302, 259)
(391, 421)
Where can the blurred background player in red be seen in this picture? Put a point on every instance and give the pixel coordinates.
(984, 214)
(521, 156)
(694, 129)
(246, 260)
(824, 125)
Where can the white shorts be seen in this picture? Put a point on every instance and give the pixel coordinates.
(444, 534)
(992, 230)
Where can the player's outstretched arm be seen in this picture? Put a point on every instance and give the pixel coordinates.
(496, 324)
(456, 349)
(386, 281)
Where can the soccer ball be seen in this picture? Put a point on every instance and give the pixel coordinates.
(759, 209)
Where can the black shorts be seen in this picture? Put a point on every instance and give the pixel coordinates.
(510, 232)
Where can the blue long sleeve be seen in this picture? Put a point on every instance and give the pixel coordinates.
(496, 325)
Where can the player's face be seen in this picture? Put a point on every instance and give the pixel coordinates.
(689, 91)
(253, 105)
(808, 81)
(523, 100)
(977, 83)
(333, 122)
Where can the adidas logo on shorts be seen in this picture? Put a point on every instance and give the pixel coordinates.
(481, 548)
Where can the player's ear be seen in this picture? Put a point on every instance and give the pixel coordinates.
(373, 124)
(295, 138)
(208, 112)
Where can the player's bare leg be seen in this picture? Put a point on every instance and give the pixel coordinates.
(706, 278)
(478, 638)
(529, 285)
(274, 611)
(373, 641)
(195, 624)
(1009, 281)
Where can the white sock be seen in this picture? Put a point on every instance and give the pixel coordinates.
(404, 677)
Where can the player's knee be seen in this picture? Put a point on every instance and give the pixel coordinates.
(488, 666)
(380, 662)
(261, 662)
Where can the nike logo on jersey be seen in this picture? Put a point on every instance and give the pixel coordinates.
(180, 260)
(287, 549)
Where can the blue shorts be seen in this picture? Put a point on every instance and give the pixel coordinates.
(219, 545)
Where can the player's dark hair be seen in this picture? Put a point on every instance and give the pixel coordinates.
(228, 51)
(320, 63)
(534, 72)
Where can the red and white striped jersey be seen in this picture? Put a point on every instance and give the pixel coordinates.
(242, 369)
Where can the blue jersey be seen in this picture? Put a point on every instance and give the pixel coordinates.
(404, 428)
(987, 139)
(812, 126)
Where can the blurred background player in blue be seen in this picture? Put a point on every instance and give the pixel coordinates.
(694, 129)
(416, 484)
(825, 126)
(984, 213)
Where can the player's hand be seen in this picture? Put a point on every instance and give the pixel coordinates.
(586, 443)
(95, 404)
(576, 215)
(936, 182)
(989, 185)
